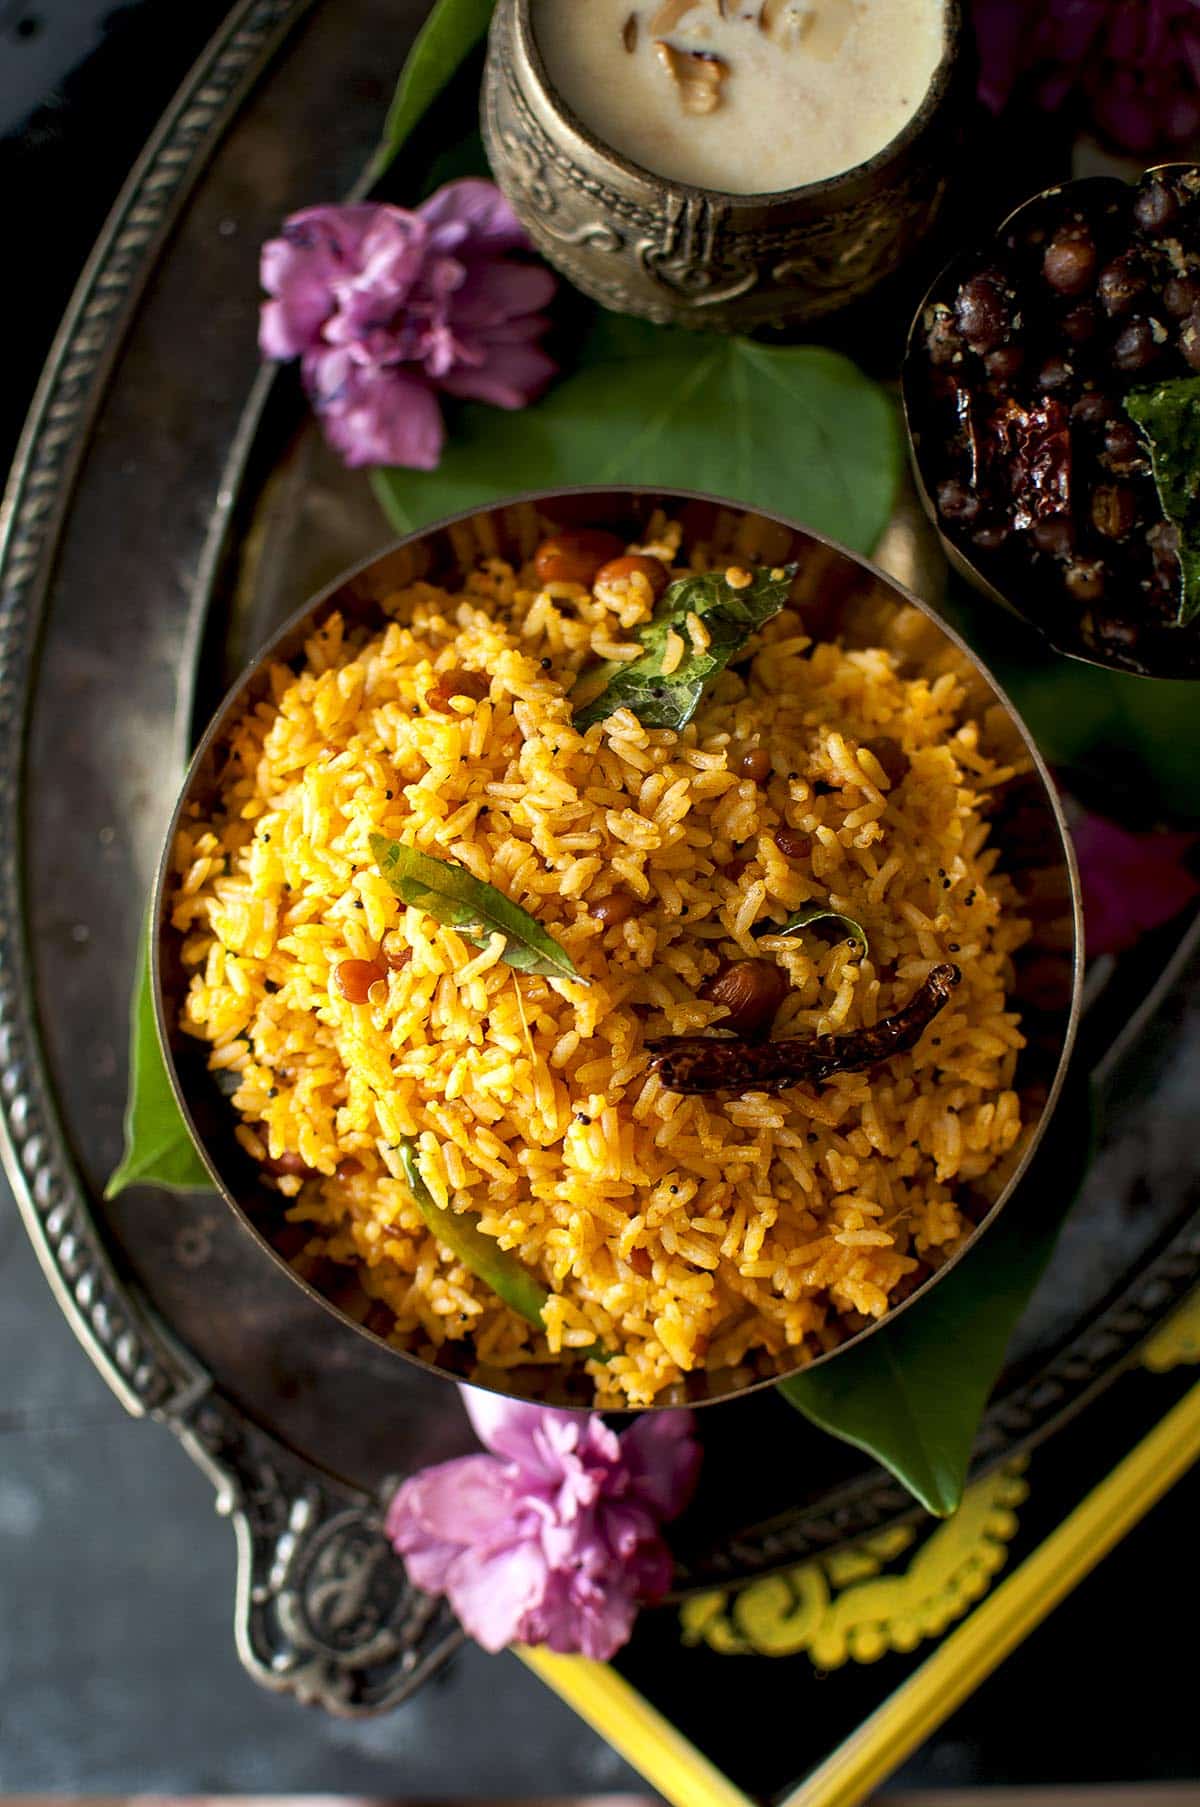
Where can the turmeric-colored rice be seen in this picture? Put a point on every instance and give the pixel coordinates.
(676, 1232)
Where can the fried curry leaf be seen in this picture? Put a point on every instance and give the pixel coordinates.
(159, 1150)
(913, 1394)
(810, 913)
(670, 699)
(481, 1255)
(455, 897)
(1169, 417)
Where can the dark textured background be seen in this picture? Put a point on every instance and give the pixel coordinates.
(117, 1668)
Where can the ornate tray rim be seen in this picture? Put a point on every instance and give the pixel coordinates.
(294, 1524)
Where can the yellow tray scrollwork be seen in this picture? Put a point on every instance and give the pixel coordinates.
(849, 1606)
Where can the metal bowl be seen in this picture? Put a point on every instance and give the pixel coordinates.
(842, 595)
(1156, 650)
(643, 244)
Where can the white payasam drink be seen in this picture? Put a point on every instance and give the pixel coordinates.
(745, 96)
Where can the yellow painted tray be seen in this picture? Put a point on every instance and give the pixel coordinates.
(936, 1599)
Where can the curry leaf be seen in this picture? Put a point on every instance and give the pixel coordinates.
(1169, 417)
(454, 896)
(813, 912)
(159, 1150)
(913, 1394)
(451, 32)
(797, 430)
(663, 699)
(481, 1255)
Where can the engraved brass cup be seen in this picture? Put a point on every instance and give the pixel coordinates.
(687, 256)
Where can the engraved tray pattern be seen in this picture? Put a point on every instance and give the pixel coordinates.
(154, 523)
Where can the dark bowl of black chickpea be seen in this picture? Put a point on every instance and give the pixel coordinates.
(1052, 396)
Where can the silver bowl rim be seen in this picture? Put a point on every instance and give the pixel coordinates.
(826, 190)
(544, 499)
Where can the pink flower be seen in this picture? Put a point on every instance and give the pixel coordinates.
(1134, 65)
(384, 307)
(554, 1537)
(1132, 883)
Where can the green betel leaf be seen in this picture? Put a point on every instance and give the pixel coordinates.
(796, 430)
(481, 1255)
(455, 897)
(1129, 737)
(913, 1395)
(1169, 417)
(669, 700)
(452, 31)
(159, 1150)
(810, 913)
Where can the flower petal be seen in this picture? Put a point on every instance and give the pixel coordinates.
(466, 1500)
(477, 203)
(509, 1428)
(663, 1460)
(512, 377)
(299, 269)
(1131, 883)
(496, 292)
(381, 416)
(495, 1595)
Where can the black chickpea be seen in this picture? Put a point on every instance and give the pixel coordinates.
(1156, 208)
(1114, 509)
(1025, 429)
(1069, 261)
(1181, 295)
(982, 312)
(1120, 285)
(1135, 347)
(1055, 373)
(1092, 409)
(956, 501)
(1081, 324)
(1189, 340)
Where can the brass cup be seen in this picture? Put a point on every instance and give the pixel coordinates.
(687, 256)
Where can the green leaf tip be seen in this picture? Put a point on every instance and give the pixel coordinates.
(806, 915)
(159, 1150)
(456, 898)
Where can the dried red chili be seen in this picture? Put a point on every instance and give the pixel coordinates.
(703, 1063)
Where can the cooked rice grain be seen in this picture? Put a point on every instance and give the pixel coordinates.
(680, 1232)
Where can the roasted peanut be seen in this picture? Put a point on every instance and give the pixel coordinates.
(751, 991)
(612, 909)
(575, 555)
(354, 979)
(450, 684)
(753, 763)
(288, 1163)
(792, 844)
(635, 564)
